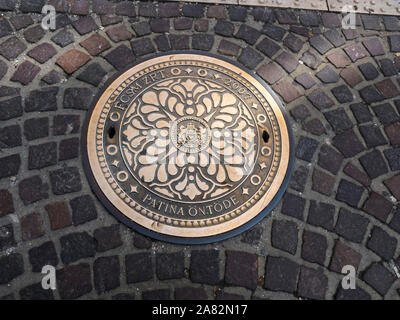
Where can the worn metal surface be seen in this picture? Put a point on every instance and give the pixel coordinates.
(188, 148)
(387, 7)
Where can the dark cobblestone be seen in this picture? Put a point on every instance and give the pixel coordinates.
(381, 243)
(72, 60)
(25, 73)
(344, 255)
(106, 273)
(168, 10)
(126, 296)
(238, 13)
(315, 127)
(32, 226)
(293, 206)
(179, 42)
(32, 190)
(374, 164)
(306, 148)
(356, 294)
(190, 293)
(11, 266)
(159, 25)
(252, 236)
(386, 113)
(85, 25)
(241, 269)
(63, 38)
(305, 80)
(42, 52)
(141, 242)
(284, 235)
(320, 99)
(228, 48)
(250, 58)
(312, 283)
(351, 226)
(10, 137)
(202, 42)
(36, 128)
(372, 135)
(281, 274)
(161, 294)
(370, 94)
(287, 61)
(327, 75)
(320, 44)
(65, 180)
(321, 214)
(139, 267)
(299, 178)
(43, 255)
(170, 265)
(42, 155)
(351, 76)
(274, 32)
(6, 203)
(7, 238)
(339, 120)
(338, 59)
(83, 209)
(334, 37)
(348, 143)
(322, 182)
(330, 159)
(204, 266)
(349, 193)
(9, 165)
(36, 292)
(107, 238)
(12, 48)
(78, 98)
(393, 184)
(76, 246)
(393, 157)
(314, 247)
(74, 281)
(248, 34)
(379, 278)
(42, 100)
(59, 215)
(352, 171)
(142, 29)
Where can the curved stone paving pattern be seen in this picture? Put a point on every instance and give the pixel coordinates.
(341, 88)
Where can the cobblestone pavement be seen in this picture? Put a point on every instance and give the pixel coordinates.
(339, 86)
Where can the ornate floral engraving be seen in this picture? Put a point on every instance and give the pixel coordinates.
(189, 139)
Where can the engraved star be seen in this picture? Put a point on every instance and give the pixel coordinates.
(217, 76)
(188, 70)
(245, 191)
(134, 188)
(263, 165)
(254, 106)
(115, 163)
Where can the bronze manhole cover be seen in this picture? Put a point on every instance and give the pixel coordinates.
(188, 148)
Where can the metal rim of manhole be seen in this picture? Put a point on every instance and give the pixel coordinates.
(188, 147)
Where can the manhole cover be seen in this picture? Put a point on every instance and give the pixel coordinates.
(188, 148)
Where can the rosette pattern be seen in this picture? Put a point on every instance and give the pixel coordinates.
(153, 121)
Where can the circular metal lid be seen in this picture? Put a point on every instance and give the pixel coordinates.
(188, 148)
